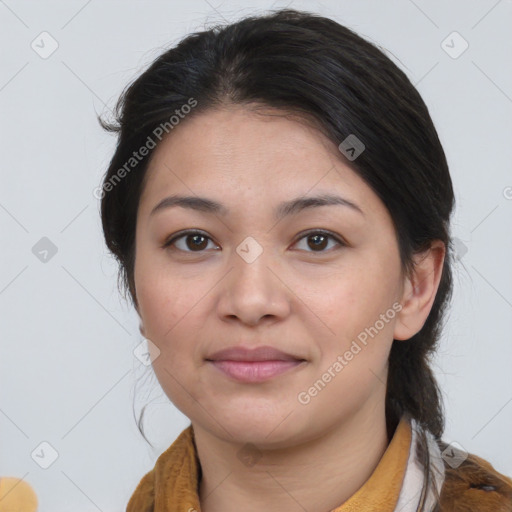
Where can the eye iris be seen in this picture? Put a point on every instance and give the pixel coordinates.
(195, 245)
(318, 244)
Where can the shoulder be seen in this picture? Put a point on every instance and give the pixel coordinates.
(175, 468)
(475, 485)
(142, 499)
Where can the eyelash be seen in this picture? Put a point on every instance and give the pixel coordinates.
(183, 234)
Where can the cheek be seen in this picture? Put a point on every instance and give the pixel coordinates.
(170, 308)
(355, 297)
(171, 323)
(353, 361)
(358, 308)
(160, 300)
(164, 308)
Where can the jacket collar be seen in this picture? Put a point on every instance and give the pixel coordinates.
(395, 484)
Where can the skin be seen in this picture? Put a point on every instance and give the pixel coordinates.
(309, 302)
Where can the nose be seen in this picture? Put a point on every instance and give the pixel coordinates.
(254, 290)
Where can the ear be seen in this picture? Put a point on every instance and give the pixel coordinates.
(419, 291)
(141, 329)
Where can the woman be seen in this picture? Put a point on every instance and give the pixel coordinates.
(279, 203)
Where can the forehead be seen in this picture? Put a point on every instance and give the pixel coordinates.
(237, 135)
(261, 155)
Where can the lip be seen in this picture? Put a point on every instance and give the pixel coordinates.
(253, 365)
(254, 371)
(263, 353)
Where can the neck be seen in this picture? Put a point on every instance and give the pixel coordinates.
(320, 474)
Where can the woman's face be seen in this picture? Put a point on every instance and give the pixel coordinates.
(253, 277)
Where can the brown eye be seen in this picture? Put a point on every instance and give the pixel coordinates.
(196, 242)
(317, 241)
(192, 241)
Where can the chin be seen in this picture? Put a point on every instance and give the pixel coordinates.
(261, 428)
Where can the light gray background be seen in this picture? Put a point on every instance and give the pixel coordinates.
(68, 373)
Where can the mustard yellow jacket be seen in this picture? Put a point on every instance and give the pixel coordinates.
(474, 486)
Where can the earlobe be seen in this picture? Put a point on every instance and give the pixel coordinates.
(419, 291)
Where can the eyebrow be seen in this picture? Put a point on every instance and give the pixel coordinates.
(284, 209)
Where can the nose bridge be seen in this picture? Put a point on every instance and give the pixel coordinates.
(251, 260)
(252, 289)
